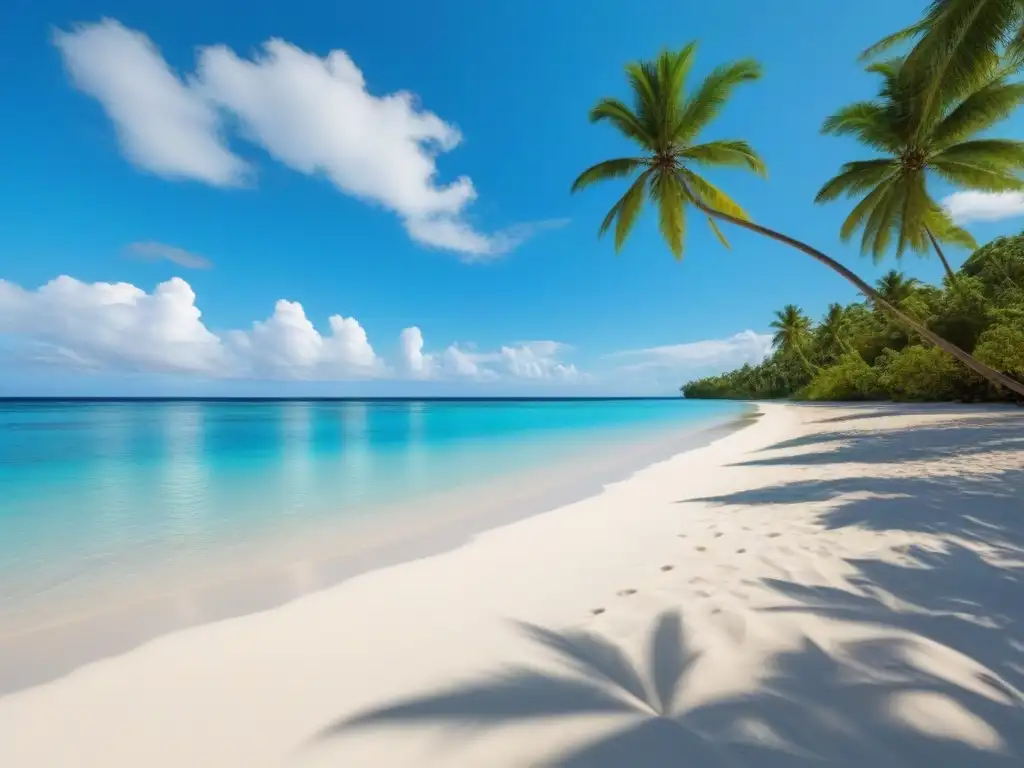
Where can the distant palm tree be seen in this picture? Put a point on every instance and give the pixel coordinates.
(894, 202)
(832, 331)
(664, 123)
(896, 287)
(793, 334)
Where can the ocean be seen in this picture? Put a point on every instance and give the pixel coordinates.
(100, 496)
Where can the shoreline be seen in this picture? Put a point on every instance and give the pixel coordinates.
(280, 572)
(811, 589)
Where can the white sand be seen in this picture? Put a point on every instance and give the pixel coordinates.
(830, 585)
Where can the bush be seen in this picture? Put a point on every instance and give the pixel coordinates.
(920, 373)
(849, 379)
(1002, 347)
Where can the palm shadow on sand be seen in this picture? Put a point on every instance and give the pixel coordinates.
(810, 707)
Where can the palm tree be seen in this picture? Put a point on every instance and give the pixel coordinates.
(895, 287)
(832, 331)
(894, 200)
(664, 124)
(955, 41)
(793, 334)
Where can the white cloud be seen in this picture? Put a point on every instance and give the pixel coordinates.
(711, 355)
(414, 362)
(119, 327)
(156, 251)
(114, 325)
(163, 125)
(314, 114)
(970, 206)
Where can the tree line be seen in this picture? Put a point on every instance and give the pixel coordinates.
(860, 352)
(936, 105)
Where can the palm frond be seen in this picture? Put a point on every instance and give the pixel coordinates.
(609, 169)
(857, 216)
(718, 233)
(710, 195)
(909, 33)
(869, 121)
(623, 118)
(880, 224)
(666, 192)
(727, 153)
(980, 110)
(705, 103)
(628, 209)
(978, 176)
(913, 211)
(998, 154)
(857, 176)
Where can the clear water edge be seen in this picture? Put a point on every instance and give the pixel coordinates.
(108, 504)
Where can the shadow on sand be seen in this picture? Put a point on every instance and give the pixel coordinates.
(843, 705)
(811, 707)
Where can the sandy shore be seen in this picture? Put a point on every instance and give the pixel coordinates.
(838, 585)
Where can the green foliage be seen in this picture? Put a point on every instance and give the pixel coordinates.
(924, 128)
(664, 122)
(919, 373)
(850, 378)
(858, 352)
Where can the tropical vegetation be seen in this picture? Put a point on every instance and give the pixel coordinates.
(858, 352)
(952, 85)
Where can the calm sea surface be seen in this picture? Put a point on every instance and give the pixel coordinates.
(94, 491)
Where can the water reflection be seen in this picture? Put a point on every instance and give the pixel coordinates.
(296, 457)
(356, 458)
(185, 476)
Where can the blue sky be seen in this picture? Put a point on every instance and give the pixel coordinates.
(288, 178)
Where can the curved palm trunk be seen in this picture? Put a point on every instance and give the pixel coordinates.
(942, 257)
(975, 365)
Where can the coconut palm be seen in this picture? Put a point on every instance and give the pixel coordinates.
(793, 334)
(896, 287)
(663, 122)
(894, 203)
(955, 41)
(832, 331)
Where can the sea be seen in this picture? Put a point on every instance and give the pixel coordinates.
(108, 503)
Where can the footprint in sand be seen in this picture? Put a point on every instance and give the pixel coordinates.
(774, 535)
(740, 551)
(626, 592)
(667, 567)
(597, 611)
(702, 549)
(719, 535)
(682, 535)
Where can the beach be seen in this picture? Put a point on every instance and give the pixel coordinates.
(830, 584)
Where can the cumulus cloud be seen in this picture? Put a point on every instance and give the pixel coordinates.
(711, 355)
(162, 252)
(120, 327)
(163, 125)
(314, 114)
(969, 206)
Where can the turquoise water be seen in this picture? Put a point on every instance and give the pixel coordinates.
(92, 490)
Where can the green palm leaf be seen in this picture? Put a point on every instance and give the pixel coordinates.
(727, 153)
(857, 176)
(664, 123)
(609, 169)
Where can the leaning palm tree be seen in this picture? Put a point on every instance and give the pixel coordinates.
(793, 334)
(664, 123)
(895, 204)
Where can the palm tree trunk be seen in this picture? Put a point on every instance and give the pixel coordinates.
(942, 257)
(975, 365)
